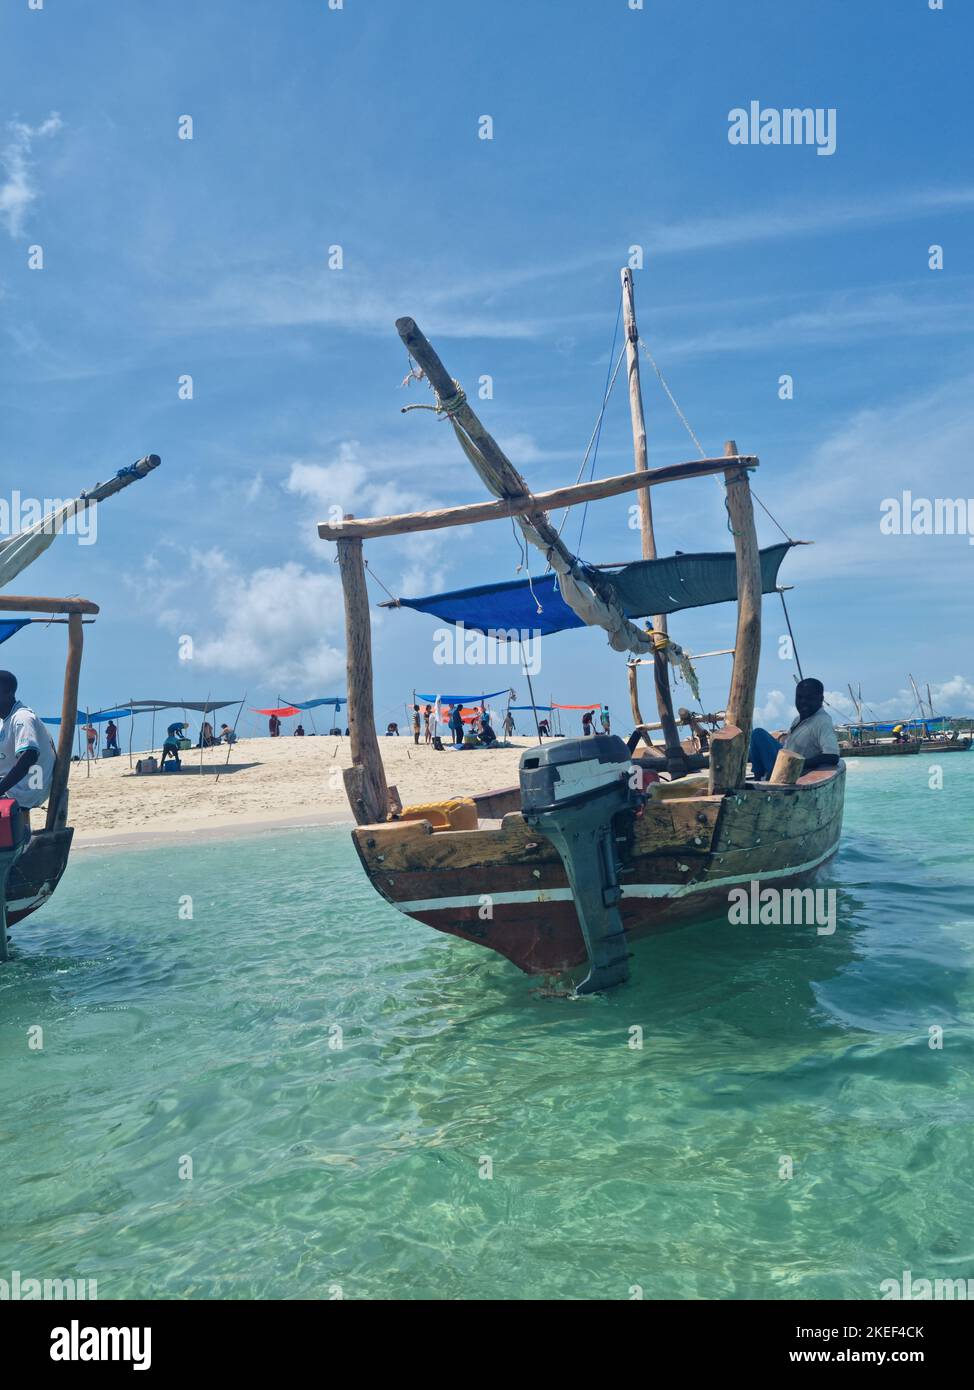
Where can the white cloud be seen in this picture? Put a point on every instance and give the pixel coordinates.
(18, 189)
(277, 626)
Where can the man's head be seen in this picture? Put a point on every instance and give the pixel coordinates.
(809, 697)
(8, 691)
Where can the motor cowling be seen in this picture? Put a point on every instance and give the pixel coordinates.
(571, 791)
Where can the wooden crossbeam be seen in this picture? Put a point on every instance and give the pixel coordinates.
(10, 603)
(361, 528)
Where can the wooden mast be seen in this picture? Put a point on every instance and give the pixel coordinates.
(57, 801)
(676, 762)
(365, 780)
(747, 646)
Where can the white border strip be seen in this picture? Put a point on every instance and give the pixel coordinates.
(630, 890)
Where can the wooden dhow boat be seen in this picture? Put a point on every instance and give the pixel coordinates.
(602, 841)
(31, 867)
(32, 864)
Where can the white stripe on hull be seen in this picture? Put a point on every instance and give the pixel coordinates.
(630, 890)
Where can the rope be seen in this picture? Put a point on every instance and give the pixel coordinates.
(703, 452)
(449, 407)
(605, 396)
(794, 644)
(595, 433)
(380, 583)
(673, 402)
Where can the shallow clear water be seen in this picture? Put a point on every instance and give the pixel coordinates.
(612, 1167)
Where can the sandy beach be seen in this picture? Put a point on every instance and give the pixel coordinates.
(265, 783)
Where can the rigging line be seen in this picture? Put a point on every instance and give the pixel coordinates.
(703, 452)
(373, 574)
(794, 644)
(595, 432)
(598, 437)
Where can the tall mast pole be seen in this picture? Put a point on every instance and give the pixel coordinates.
(675, 758)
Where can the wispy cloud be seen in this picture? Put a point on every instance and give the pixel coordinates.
(838, 319)
(18, 189)
(800, 219)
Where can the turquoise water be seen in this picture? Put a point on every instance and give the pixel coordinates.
(612, 1167)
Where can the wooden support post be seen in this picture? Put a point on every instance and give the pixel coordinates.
(365, 780)
(675, 758)
(787, 768)
(57, 800)
(747, 646)
(728, 748)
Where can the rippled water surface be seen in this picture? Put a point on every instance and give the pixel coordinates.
(211, 1040)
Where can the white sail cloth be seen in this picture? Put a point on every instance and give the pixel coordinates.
(21, 550)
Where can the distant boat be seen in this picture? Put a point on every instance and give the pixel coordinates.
(592, 847)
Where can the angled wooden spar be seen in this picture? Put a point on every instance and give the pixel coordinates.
(747, 646)
(675, 759)
(367, 527)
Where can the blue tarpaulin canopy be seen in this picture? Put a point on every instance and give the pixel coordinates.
(336, 700)
(461, 699)
(647, 586)
(8, 626)
(547, 708)
(101, 717)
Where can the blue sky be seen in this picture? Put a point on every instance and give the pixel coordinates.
(358, 127)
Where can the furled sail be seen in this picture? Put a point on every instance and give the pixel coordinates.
(22, 549)
(644, 587)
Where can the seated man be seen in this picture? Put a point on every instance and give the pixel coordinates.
(812, 735)
(226, 734)
(26, 750)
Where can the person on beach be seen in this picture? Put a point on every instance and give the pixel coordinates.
(91, 734)
(416, 724)
(274, 726)
(812, 735)
(428, 717)
(227, 735)
(299, 731)
(508, 725)
(206, 735)
(587, 726)
(544, 728)
(456, 725)
(26, 750)
(486, 732)
(111, 737)
(392, 730)
(604, 719)
(170, 746)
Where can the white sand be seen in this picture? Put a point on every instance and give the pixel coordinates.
(267, 783)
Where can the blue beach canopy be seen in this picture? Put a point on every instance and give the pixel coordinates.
(8, 626)
(646, 586)
(547, 708)
(462, 699)
(336, 700)
(101, 717)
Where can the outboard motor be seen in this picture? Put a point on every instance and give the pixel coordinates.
(570, 791)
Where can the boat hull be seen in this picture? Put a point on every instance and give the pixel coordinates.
(506, 888)
(878, 750)
(37, 872)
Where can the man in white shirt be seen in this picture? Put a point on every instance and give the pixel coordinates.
(26, 750)
(812, 735)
